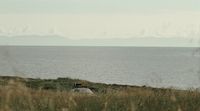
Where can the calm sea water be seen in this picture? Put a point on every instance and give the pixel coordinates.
(157, 67)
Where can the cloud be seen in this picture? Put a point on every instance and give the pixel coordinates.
(84, 26)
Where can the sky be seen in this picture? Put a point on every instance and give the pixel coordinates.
(101, 19)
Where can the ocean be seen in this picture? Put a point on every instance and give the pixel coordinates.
(149, 66)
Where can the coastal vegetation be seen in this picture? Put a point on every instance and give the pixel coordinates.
(27, 94)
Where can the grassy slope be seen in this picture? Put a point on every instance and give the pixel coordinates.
(18, 94)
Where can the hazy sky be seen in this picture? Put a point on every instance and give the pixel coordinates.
(96, 6)
(96, 19)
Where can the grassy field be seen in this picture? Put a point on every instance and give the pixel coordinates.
(19, 94)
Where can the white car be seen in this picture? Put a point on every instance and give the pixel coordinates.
(82, 90)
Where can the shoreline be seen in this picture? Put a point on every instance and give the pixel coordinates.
(66, 84)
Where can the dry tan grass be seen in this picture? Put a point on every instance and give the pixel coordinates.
(15, 96)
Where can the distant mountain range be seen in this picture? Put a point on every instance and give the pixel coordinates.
(55, 40)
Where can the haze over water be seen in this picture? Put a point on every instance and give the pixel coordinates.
(151, 66)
